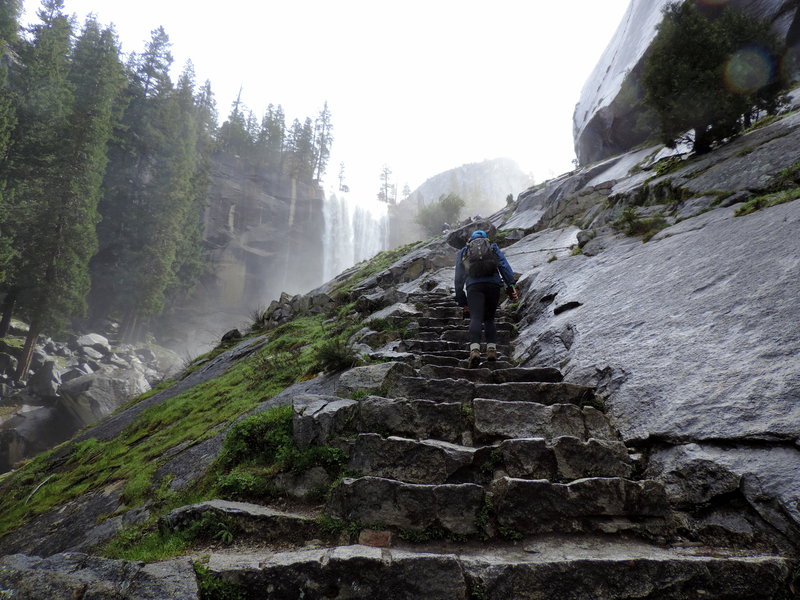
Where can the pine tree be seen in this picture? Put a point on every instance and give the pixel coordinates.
(710, 74)
(61, 198)
(322, 142)
(9, 27)
(156, 186)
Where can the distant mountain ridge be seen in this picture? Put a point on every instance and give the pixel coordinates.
(483, 186)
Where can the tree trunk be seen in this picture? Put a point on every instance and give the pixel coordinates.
(7, 309)
(702, 140)
(27, 352)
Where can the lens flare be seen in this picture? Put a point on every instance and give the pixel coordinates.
(748, 70)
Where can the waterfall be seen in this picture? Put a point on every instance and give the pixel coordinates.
(354, 230)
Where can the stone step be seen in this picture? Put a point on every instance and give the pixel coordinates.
(442, 326)
(319, 419)
(518, 506)
(461, 335)
(555, 568)
(486, 375)
(497, 419)
(450, 361)
(410, 461)
(392, 503)
(252, 521)
(425, 346)
(443, 312)
(564, 458)
(591, 505)
(461, 390)
(502, 323)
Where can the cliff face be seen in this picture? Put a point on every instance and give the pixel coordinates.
(607, 117)
(257, 228)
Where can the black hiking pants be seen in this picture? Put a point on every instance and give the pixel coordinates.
(482, 299)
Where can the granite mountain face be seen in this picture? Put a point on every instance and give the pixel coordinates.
(607, 117)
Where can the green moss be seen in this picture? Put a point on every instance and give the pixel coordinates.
(633, 225)
(767, 200)
(186, 419)
(213, 587)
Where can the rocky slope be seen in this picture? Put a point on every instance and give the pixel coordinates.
(638, 438)
(607, 119)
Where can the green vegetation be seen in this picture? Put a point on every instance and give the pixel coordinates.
(767, 200)
(213, 587)
(785, 188)
(446, 209)
(712, 72)
(633, 225)
(106, 170)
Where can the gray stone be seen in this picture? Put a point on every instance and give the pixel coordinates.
(317, 418)
(421, 419)
(399, 309)
(371, 379)
(95, 341)
(8, 364)
(590, 569)
(766, 477)
(355, 572)
(592, 504)
(592, 458)
(46, 381)
(252, 520)
(299, 485)
(412, 461)
(413, 506)
(89, 398)
(77, 575)
(498, 419)
(91, 353)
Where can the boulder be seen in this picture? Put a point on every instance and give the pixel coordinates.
(89, 398)
(46, 381)
(94, 340)
(78, 575)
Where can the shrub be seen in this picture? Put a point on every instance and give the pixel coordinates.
(711, 71)
(259, 437)
(335, 355)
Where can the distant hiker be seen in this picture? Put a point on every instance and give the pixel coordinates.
(483, 268)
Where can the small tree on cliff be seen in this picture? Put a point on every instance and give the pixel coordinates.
(433, 217)
(710, 73)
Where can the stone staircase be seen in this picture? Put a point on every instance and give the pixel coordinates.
(497, 482)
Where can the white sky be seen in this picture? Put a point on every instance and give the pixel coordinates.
(422, 86)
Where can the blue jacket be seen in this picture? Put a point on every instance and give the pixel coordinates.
(504, 274)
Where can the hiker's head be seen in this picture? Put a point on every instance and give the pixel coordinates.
(478, 233)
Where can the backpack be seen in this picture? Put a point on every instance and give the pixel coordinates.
(480, 259)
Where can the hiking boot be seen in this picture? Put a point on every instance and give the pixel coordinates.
(491, 352)
(474, 356)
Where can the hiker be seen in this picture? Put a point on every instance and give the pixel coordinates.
(483, 268)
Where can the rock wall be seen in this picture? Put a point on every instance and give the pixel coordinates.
(263, 231)
(607, 119)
